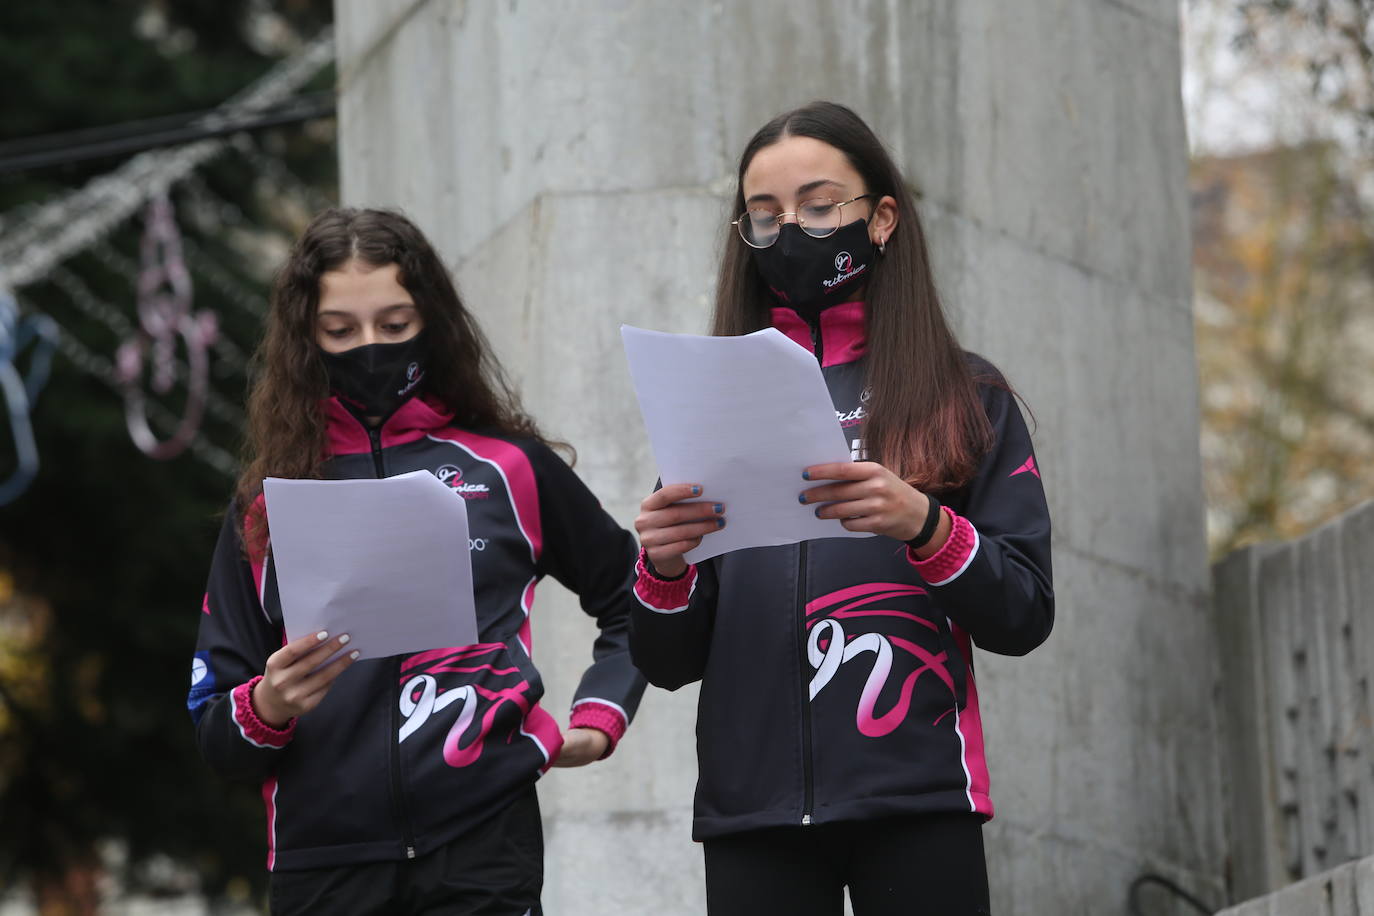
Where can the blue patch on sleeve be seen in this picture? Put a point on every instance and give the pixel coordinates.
(202, 685)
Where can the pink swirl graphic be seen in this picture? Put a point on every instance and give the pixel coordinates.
(828, 648)
(457, 754)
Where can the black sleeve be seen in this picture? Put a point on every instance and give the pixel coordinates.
(671, 623)
(1002, 595)
(232, 647)
(589, 553)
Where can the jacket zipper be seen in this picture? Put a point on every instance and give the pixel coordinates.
(396, 768)
(799, 627)
(374, 435)
(808, 802)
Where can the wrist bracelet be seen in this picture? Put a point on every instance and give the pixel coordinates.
(927, 531)
(653, 570)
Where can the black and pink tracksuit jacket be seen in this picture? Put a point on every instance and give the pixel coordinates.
(837, 674)
(407, 752)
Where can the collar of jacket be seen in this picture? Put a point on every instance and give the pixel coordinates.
(413, 420)
(841, 331)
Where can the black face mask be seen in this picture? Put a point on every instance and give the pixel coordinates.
(377, 378)
(810, 274)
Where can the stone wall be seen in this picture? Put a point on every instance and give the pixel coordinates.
(1347, 890)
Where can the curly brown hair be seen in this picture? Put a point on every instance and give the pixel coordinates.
(286, 414)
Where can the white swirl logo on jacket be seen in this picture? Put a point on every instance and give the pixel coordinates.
(828, 647)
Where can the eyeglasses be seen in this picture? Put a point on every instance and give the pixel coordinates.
(818, 217)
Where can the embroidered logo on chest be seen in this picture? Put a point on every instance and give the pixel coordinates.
(452, 475)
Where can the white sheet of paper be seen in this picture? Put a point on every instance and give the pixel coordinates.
(385, 561)
(741, 416)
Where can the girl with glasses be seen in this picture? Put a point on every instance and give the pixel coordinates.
(839, 735)
(403, 784)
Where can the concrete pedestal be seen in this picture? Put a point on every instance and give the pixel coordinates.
(574, 161)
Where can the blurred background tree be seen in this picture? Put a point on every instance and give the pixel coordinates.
(1280, 97)
(103, 559)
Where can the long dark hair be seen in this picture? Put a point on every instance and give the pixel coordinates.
(925, 420)
(286, 416)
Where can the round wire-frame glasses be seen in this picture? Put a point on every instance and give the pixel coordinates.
(818, 217)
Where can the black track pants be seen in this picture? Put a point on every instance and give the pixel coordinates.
(924, 865)
(495, 869)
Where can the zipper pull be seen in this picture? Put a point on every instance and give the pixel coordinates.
(806, 820)
(375, 435)
(817, 341)
(410, 852)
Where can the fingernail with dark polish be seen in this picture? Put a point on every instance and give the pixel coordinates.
(720, 523)
(818, 511)
(806, 475)
(801, 498)
(696, 490)
(718, 508)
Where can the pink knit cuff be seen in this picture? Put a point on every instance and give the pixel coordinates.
(255, 731)
(663, 596)
(953, 557)
(603, 716)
